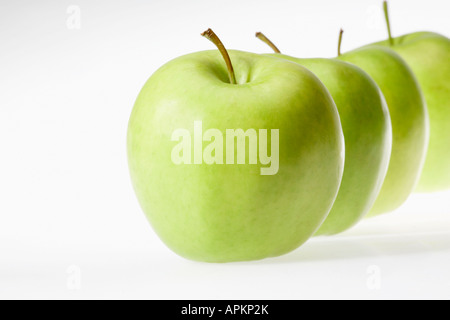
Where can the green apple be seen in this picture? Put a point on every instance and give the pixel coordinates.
(186, 131)
(368, 137)
(409, 117)
(428, 55)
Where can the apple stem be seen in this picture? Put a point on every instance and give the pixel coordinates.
(211, 36)
(341, 32)
(266, 40)
(386, 16)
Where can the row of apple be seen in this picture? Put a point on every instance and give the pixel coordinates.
(355, 136)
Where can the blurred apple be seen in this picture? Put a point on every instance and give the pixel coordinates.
(367, 132)
(409, 117)
(428, 55)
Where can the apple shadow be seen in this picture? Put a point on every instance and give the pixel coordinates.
(363, 246)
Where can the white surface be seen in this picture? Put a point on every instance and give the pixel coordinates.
(70, 226)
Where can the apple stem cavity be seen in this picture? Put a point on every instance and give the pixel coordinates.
(386, 16)
(341, 32)
(266, 40)
(211, 36)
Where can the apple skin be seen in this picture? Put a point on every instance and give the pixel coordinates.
(409, 117)
(225, 213)
(368, 138)
(428, 55)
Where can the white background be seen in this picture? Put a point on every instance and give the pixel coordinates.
(70, 225)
